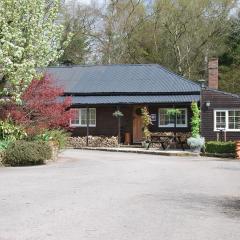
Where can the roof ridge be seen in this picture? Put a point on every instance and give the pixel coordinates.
(99, 65)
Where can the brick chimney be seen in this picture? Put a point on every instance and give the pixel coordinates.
(213, 73)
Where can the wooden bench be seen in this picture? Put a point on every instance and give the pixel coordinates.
(165, 139)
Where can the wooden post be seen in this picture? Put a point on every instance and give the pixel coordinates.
(87, 126)
(175, 123)
(119, 130)
(119, 127)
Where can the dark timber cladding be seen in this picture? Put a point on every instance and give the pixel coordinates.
(218, 100)
(106, 124)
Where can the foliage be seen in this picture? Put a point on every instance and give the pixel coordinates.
(230, 60)
(77, 25)
(118, 114)
(30, 38)
(220, 147)
(146, 121)
(60, 136)
(4, 144)
(23, 153)
(173, 112)
(41, 107)
(197, 141)
(11, 132)
(195, 121)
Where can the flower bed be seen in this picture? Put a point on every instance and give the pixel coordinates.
(93, 141)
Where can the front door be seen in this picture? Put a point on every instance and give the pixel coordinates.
(137, 125)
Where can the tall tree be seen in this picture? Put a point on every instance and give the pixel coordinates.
(180, 34)
(230, 60)
(30, 37)
(78, 20)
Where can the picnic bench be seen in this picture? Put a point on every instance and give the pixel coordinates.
(166, 139)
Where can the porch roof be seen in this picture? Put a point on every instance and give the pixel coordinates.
(85, 100)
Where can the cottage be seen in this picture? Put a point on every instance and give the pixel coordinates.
(102, 89)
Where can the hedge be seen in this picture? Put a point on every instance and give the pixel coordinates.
(24, 153)
(220, 147)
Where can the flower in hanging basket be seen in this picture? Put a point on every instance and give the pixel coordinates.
(118, 114)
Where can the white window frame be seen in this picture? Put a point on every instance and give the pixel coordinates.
(227, 120)
(80, 119)
(172, 125)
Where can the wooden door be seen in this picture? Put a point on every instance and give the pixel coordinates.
(137, 126)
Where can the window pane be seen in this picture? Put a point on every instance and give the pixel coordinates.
(181, 117)
(165, 118)
(75, 116)
(220, 119)
(83, 122)
(92, 116)
(234, 119)
(83, 114)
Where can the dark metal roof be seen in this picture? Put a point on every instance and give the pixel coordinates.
(134, 99)
(115, 79)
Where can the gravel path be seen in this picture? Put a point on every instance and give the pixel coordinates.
(91, 195)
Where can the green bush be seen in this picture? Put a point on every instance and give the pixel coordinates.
(24, 153)
(220, 147)
(59, 136)
(4, 144)
(11, 132)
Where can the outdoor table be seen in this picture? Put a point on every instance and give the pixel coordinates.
(165, 140)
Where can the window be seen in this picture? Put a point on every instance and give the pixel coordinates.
(80, 117)
(234, 119)
(167, 120)
(228, 120)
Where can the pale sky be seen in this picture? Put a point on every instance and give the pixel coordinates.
(89, 1)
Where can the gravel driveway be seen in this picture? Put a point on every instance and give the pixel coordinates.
(91, 195)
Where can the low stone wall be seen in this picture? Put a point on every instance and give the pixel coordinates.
(93, 141)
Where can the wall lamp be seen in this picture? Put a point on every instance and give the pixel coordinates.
(208, 104)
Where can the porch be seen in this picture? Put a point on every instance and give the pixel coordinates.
(101, 121)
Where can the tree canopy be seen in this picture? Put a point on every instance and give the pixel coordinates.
(30, 37)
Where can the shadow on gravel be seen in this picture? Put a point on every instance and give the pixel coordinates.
(206, 205)
(229, 206)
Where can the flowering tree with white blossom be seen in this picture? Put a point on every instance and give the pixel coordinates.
(30, 37)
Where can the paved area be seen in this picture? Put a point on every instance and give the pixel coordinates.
(91, 195)
(141, 150)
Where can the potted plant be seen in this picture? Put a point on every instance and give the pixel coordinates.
(146, 121)
(196, 142)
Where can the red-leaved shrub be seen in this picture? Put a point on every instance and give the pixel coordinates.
(42, 107)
